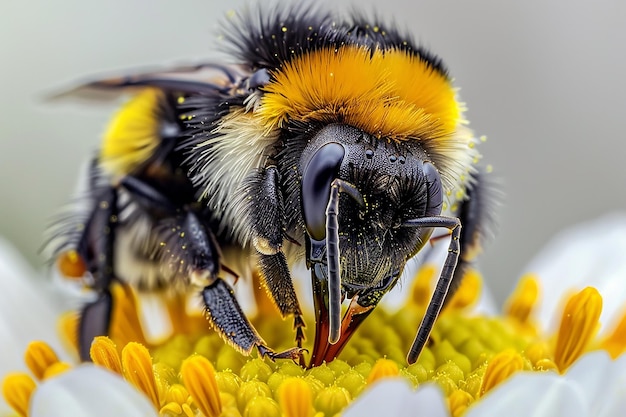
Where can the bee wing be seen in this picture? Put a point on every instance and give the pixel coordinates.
(207, 78)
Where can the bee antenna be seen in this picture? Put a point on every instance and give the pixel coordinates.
(332, 253)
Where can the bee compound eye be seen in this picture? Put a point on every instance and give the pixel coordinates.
(435, 190)
(319, 173)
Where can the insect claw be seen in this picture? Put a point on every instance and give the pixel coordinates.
(295, 354)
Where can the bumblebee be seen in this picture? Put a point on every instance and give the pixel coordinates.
(333, 141)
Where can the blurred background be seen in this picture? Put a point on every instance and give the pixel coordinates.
(544, 81)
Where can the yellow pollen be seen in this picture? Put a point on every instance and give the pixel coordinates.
(198, 375)
(383, 368)
(39, 357)
(501, 366)
(137, 369)
(524, 298)
(17, 389)
(103, 352)
(295, 398)
(615, 343)
(579, 324)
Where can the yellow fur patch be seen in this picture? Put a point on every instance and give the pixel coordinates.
(389, 94)
(133, 135)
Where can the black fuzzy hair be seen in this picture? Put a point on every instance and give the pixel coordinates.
(267, 38)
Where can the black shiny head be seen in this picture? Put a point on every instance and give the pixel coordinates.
(396, 184)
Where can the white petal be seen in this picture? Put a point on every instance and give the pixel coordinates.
(603, 381)
(532, 395)
(395, 397)
(28, 311)
(590, 254)
(428, 401)
(89, 391)
(382, 398)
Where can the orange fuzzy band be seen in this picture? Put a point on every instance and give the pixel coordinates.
(390, 94)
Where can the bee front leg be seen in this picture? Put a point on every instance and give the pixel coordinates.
(274, 270)
(266, 215)
(96, 247)
(95, 320)
(230, 322)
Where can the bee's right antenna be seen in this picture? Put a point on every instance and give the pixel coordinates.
(443, 284)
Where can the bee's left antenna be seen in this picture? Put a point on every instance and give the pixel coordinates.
(332, 254)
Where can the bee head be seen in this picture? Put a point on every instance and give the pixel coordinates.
(385, 184)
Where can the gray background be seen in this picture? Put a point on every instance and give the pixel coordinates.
(544, 80)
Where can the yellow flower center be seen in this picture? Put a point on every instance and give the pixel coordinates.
(193, 373)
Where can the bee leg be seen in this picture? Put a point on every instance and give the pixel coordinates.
(96, 247)
(95, 320)
(267, 224)
(230, 322)
(277, 281)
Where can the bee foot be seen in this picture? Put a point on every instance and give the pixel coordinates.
(295, 354)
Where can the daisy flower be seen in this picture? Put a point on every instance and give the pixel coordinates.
(475, 364)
